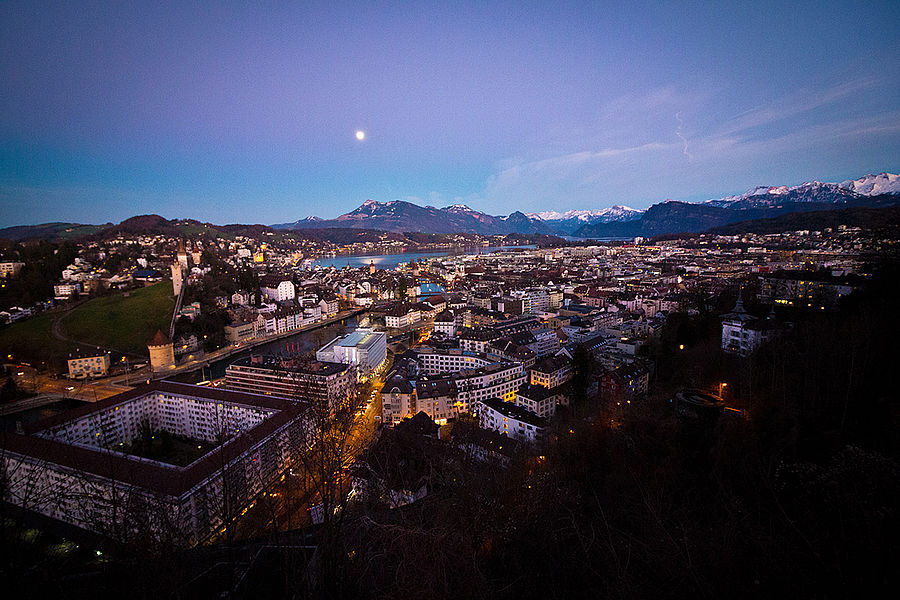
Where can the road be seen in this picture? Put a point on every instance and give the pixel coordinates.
(92, 390)
(288, 502)
(31, 380)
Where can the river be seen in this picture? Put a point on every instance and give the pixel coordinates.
(314, 339)
(299, 343)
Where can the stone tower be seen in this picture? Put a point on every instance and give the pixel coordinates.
(182, 255)
(162, 352)
(177, 278)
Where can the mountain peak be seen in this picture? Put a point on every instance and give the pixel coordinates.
(873, 185)
(616, 212)
(458, 208)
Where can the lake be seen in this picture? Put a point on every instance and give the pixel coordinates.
(392, 261)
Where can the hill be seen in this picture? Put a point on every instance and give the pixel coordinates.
(49, 231)
(885, 218)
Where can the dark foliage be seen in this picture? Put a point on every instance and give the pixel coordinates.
(44, 261)
(799, 499)
(887, 218)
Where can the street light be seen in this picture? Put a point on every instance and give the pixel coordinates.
(722, 386)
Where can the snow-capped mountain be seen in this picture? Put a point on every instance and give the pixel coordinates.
(873, 185)
(671, 216)
(769, 196)
(604, 215)
(763, 202)
(400, 216)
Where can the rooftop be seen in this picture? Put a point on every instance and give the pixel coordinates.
(508, 409)
(153, 476)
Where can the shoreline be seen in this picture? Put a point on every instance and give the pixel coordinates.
(223, 353)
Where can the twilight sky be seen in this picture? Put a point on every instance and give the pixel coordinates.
(248, 113)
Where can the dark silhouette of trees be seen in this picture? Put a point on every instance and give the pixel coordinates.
(9, 391)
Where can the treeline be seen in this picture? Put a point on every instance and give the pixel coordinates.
(44, 261)
(873, 219)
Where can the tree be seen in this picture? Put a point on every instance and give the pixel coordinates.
(582, 371)
(9, 391)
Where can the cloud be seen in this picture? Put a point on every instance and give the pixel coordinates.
(796, 135)
(583, 178)
(678, 132)
(794, 105)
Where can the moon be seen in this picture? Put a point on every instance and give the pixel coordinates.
(360, 135)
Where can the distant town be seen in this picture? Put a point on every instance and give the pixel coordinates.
(285, 389)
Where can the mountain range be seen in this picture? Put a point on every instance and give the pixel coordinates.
(620, 221)
(401, 217)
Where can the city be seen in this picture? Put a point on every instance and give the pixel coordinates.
(292, 311)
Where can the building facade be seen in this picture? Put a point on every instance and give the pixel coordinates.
(514, 421)
(74, 467)
(364, 348)
(292, 378)
(88, 365)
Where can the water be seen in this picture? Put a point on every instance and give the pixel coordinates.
(301, 343)
(382, 261)
(392, 261)
(570, 238)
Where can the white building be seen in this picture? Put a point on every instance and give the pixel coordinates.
(240, 298)
(539, 400)
(447, 384)
(364, 348)
(277, 289)
(742, 333)
(551, 372)
(475, 375)
(88, 365)
(64, 291)
(10, 268)
(401, 316)
(76, 467)
(445, 322)
(546, 341)
(292, 378)
(514, 421)
(330, 306)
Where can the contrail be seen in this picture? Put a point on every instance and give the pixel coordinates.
(684, 141)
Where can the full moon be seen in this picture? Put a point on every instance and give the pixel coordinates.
(360, 135)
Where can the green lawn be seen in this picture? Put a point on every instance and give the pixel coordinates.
(31, 341)
(120, 322)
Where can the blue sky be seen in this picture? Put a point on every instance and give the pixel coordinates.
(248, 113)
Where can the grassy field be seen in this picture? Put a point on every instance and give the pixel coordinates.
(123, 322)
(31, 341)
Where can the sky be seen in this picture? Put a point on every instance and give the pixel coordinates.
(232, 112)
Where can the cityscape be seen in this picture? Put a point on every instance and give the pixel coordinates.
(559, 382)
